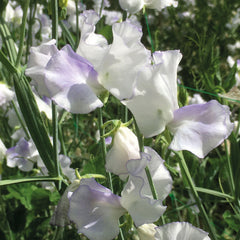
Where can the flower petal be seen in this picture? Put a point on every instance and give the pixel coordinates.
(95, 210)
(38, 59)
(71, 82)
(180, 231)
(137, 196)
(125, 147)
(126, 56)
(199, 128)
(155, 96)
(91, 46)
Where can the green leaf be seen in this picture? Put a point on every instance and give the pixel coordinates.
(232, 220)
(28, 179)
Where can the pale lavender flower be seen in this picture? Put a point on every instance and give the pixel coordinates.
(23, 155)
(38, 59)
(72, 82)
(95, 210)
(199, 128)
(137, 197)
(125, 147)
(180, 231)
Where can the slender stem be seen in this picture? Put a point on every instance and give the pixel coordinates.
(22, 32)
(187, 174)
(77, 26)
(55, 20)
(148, 29)
(20, 120)
(8, 41)
(103, 145)
(54, 5)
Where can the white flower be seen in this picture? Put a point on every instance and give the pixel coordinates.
(134, 6)
(146, 231)
(125, 147)
(180, 231)
(137, 197)
(6, 95)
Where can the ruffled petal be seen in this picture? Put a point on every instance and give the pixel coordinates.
(92, 46)
(180, 231)
(38, 59)
(155, 96)
(199, 128)
(70, 80)
(125, 58)
(95, 210)
(137, 196)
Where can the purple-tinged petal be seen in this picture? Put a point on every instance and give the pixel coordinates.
(137, 196)
(95, 210)
(125, 58)
(180, 231)
(125, 147)
(71, 82)
(38, 59)
(155, 96)
(199, 128)
(23, 155)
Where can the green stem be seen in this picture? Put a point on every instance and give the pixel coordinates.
(186, 173)
(103, 145)
(20, 120)
(8, 41)
(54, 5)
(77, 26)
(22, 32)
(148, 29)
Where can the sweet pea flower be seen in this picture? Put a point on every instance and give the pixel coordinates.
(180, 231)
(155, 95)
(72, 82)
(199, 128)
(38, 59)
(146, 231)
(134, 6)
(65, 77)
(117, 64)
(137, 197)
(6, 95)
(125, 147)
(95, 210)
(3, 150)
(23, 155)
